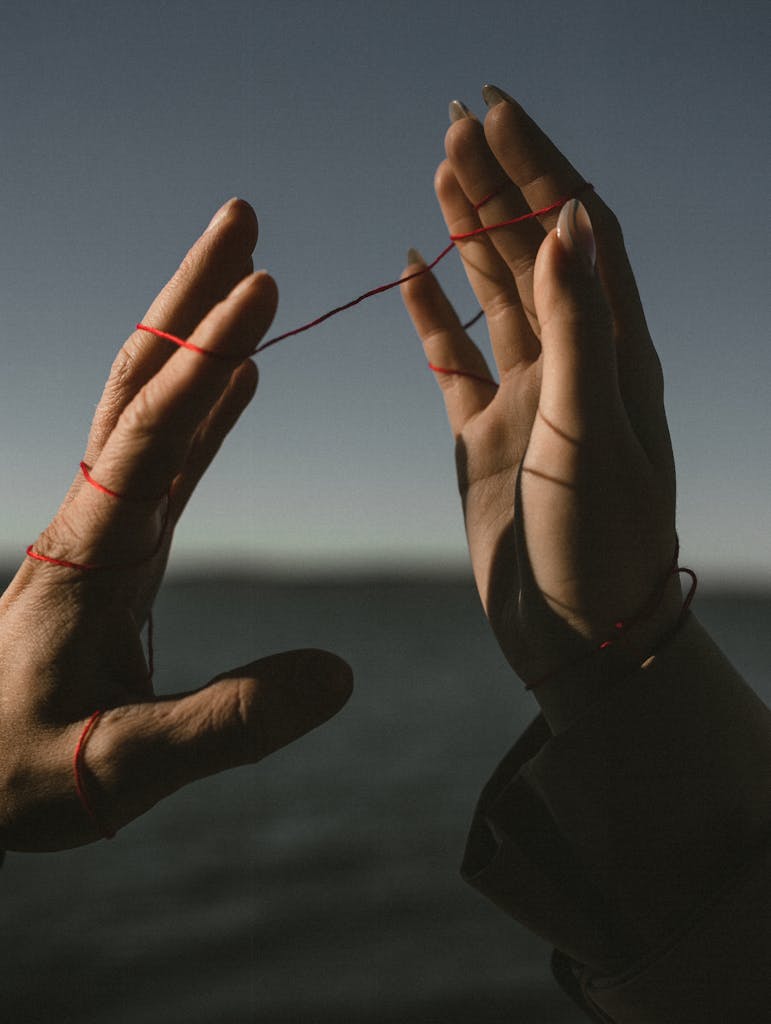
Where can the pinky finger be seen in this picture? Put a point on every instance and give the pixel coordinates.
(211, 434)
(460, 368)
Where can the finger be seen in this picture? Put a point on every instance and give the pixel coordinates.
(218, 260)
(119, 518)
(544, 175)
(150, 442)
(211, 434)
(468, 388)
(579, 384)
(494, 285)
(140, 753)
(485, 182)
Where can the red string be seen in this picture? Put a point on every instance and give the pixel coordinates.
(77, 771)
(622, 627)
(556, 205)
(182, 343)
(95, 484)
(87, 567)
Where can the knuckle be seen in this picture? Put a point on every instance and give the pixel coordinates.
(462, 139)
(63, 538)
(139, 417)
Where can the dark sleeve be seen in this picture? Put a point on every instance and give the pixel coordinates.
(637, 843)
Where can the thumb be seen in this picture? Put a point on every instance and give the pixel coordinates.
(140, 753)
(579, 384)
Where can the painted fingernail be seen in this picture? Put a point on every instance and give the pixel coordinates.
(492, 96)
(459, 110)
(574, 230)
(413, 256)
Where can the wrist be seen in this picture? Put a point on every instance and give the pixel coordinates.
(565, 693)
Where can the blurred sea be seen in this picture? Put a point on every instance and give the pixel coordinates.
(322, 885)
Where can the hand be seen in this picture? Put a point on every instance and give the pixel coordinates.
(566, 470)
(70, 639)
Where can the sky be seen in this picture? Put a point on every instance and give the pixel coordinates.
(125, 125)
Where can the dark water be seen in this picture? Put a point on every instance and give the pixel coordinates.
(322, 885)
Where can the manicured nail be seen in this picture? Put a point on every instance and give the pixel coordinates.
(413, 256)
(492, 96)
(459, 110)
(574, 230)
(219, 215)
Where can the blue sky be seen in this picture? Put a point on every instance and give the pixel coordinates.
(124, 126)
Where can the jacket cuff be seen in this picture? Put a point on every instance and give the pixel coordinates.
(605, 838)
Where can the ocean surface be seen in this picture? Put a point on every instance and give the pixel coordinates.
(322, 885)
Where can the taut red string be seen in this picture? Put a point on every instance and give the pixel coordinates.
(182, 343)
(556, 205)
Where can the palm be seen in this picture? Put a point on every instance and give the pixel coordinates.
(488, 452)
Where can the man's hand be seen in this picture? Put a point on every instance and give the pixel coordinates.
(70, 638)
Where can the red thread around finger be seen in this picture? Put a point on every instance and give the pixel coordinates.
(96, 485)
(91, 567)
(77, 771)
(86, 567)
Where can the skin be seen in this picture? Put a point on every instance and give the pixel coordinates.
(591, 535)
(70, 640)
(586, 541)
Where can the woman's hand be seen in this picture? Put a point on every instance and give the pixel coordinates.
(565, 471)
(70, 637)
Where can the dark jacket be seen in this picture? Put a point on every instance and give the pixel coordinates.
(638, 843)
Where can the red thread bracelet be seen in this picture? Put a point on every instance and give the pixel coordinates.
(624, 625)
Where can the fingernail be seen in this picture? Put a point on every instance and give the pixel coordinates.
(574, 230)
(459, 110)
(492, 96)
(413, 256)
(219, 215)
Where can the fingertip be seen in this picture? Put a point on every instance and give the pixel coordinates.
(236, 216)
(444, 178)
(333, 675)
(260, 287)
(245, 379)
